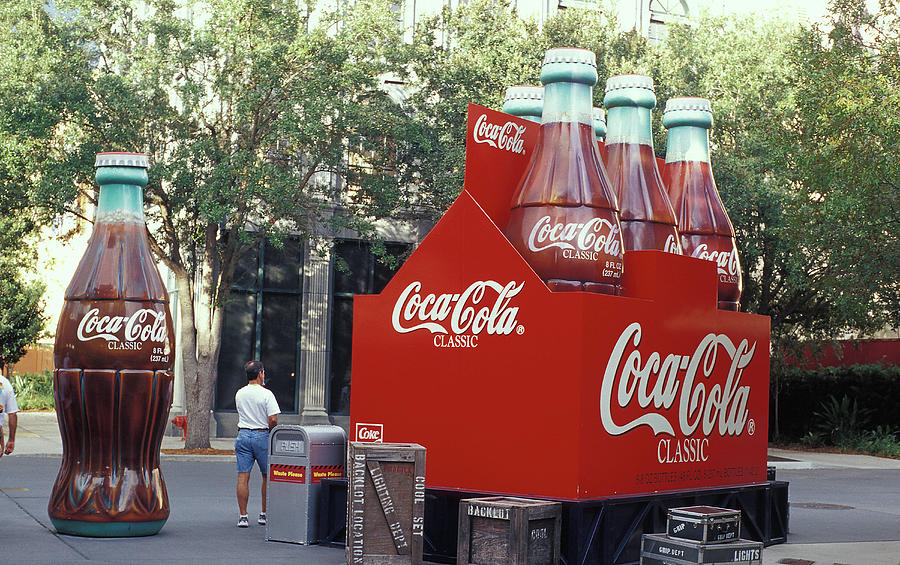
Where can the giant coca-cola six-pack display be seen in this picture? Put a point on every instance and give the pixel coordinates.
(569, 329)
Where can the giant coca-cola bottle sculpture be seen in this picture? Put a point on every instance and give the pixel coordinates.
(563, 218)
(648, 221)
(525, 102)
(706, 231)
(599, 125)
(113, 379)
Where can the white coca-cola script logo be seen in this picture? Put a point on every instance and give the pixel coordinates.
(143, 325)
(726, 261)
(656, 382)
(430, 312)
(597, 234)
(672, 245)
(507, 137)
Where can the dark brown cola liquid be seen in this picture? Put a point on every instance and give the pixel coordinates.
(563, 217)
(706, 231)
(644, 210)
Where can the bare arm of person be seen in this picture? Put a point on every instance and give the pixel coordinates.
(11, 442)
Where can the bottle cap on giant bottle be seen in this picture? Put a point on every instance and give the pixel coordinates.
(524, 101)
(629, 90)
(688, 111)
(122, 159)
(569, 64)
(121, 168)
(599, 116)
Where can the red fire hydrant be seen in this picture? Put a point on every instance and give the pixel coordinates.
(181, 422)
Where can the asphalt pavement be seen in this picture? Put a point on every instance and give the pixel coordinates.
(845, 509)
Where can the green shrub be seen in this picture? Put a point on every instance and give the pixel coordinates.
(873, 389)
(880, 441)
(34, 391)
(842, 421)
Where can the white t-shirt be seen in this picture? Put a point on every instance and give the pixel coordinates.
(7, 400)
(255, 404)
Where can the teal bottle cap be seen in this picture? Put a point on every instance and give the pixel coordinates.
(524, 101)
(599, 116)
(617, 82)
(569, 64)
(688, 111)
(121, 159)
(629, 90)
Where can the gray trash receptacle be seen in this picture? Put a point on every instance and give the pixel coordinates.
(299, 458)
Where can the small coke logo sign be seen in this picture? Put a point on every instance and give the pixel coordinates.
(507, 136)
(371, 433)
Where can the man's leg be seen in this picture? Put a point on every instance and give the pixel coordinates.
(263, 493)
(243, 453)
(243, 492)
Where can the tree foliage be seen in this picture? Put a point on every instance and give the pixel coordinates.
(21, 316)
(248, 109)
(805, 146)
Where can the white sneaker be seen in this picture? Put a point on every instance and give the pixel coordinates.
(262, 519)
(243, 522)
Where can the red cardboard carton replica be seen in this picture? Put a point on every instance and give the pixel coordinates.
(514, 389)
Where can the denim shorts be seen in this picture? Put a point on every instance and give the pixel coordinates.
(252, 445)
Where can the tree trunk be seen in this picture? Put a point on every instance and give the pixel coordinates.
(197, 433)
(200, 385)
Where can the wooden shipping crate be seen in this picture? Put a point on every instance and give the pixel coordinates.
(502, 530)
(385, 503)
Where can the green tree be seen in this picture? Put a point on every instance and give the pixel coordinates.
(21, 317)
(471, 54)
(248, 109)
(806, 157)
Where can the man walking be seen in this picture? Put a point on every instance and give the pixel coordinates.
(8, 405)
(257, 414)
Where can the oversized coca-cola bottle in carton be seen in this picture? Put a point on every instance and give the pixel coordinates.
(648, 221)
(564, 220)
(706, 231)
(113, 378)
(599, 117)
(525, 102)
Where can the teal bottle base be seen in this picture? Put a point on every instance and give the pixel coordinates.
(107, 529)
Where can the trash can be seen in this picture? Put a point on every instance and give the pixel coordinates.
(299, 458)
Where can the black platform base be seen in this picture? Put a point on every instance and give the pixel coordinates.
(594, 532)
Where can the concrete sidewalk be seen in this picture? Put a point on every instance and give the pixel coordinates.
(38, 435)
(845, 509)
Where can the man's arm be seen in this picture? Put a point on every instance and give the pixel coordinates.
(11, 442)
(273, 421)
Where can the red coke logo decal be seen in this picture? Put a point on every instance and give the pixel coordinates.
(370, 432)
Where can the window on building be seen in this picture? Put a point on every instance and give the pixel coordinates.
(262, 321)
(582, 4)
(355, 270)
